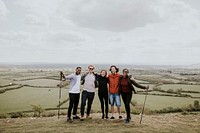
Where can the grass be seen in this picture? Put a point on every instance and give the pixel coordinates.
(39, 82)
(160, 102)
(180, 86)
(21, 99)
(150, 124)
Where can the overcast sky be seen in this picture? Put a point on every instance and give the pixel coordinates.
(148, 32)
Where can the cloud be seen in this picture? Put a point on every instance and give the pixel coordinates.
(107, 31)
(65, 37)
(3, 10)
(36, 20)
(113, 15)
(14, 37)
(37, 12)
(123, 16)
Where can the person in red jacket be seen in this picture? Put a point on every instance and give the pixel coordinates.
(114, 90)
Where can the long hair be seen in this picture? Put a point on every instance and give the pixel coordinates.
(104, 71)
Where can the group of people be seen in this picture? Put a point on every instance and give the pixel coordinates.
(110, 88)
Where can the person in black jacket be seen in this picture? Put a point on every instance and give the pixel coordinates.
(126, 88)
(103, 92)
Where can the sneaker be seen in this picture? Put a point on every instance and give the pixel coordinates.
(82, 118)
(106, 117)
(112, 117)
(127, 120)
(120, 117)
(88, 117)
(76, 117)
(69, 120)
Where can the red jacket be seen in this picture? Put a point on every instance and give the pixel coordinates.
(114, 83)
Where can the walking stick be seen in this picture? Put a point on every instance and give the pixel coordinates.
(144, 105)
(59, 95)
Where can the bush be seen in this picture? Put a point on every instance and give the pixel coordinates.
(196, 105)
(17, 115)
(2, 90)
(178, 91)
(37, 110)
(170, 91)
(3, 116)
(49, 114)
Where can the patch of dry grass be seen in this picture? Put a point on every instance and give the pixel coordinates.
(151, 123)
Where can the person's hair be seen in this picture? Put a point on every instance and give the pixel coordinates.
(117, 69)
(104, 71)
(78, 67)
(90, 66)
(125, 69)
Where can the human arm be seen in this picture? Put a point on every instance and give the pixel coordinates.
(68, 77)
(138, 85)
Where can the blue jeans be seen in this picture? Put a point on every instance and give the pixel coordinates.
(115, 99)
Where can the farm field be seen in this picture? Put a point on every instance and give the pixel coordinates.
(38, 87)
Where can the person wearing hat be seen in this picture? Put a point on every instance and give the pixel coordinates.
(126, 88)
(89, 83)
(114, 96)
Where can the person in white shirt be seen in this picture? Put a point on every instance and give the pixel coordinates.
(74, 92)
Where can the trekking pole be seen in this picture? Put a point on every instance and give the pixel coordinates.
(59, 96)
(144, 105)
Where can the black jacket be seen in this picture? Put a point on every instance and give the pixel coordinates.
(103, 84)
(130, 84)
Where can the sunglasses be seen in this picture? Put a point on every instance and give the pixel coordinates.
(91, 68)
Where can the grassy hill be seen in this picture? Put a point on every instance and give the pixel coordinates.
(173, 123)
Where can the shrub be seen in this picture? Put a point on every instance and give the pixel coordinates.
(178, 91)
(170, 91)
(50, 114)
(3, 116)
(196, 105)
(17, 115)
(37, 110)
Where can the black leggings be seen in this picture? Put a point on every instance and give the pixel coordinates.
(126, 97)
(103, 97)
(86, 96)
(73, 103)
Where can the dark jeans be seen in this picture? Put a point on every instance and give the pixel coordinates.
(103, 97)
(126, 97)
(86, 96)
(73, 103)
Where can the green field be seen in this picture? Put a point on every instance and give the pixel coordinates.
(181, 86)
(22, 99)
(42, 90)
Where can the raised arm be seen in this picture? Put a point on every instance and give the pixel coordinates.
(68, 77)
(138, 85)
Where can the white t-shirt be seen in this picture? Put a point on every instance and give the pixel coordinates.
(75, 83)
